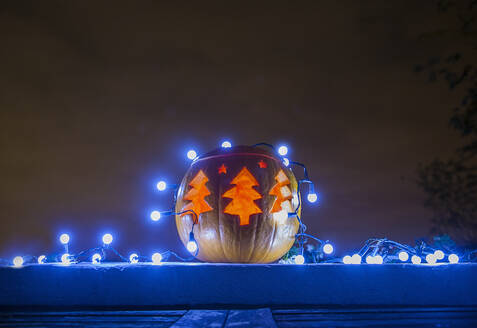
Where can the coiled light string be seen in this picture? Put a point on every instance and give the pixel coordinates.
(374, 251)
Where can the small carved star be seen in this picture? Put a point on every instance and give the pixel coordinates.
(262, 165)
(223, 169)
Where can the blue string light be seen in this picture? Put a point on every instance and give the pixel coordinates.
(156, 258)
(191, 154)
(283, 150)
(161, 185)
(133, 258)
(96, 258)
(107, 239)
(64, 238)
(18, 261)
(226, 144)
(374, 251)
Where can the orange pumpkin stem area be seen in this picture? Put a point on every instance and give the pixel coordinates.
(243, 196)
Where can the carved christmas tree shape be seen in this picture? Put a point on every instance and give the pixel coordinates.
(196, 195)
(283, 193)
(243, 196)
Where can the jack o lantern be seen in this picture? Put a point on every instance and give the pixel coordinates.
(241, 197)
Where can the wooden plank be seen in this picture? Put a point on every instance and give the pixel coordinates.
(250, 318)
(381, 324)
(202, 318)
(86, 325)
(375, 316)
(98, 313)
(401, 317)
(100, 319)
(374, 310)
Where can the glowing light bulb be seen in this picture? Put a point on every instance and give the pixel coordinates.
(347, 259)
(133, 258)
(192, 246)
(226, 144)
(107, 239)
(299, 259)
(416, 259)
(370, 259)
(312, 197)
(439, 254)
(453, 258)
(356, 259)
(41, 259)
(64, 238)
(65, 259)
(403, 256)
(96, 258)
(378, 259)
(156, 258)
(286, 162)
(17, 261)
(155, 215)
(161, 185)
(328, 248)
(283, 150)
(431, 259)
(191, 154)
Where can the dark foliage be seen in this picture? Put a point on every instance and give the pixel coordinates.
(451, 184)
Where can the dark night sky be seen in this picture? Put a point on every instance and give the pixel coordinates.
(99, 99)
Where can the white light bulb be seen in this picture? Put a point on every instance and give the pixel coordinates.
(192, 246)
(356, 259)
(439, 254)
(226, 144)
(283, 150)
(378, 259)
(403, 256)
(107, 239)
(416, 259)
(41, 259)
(161, 185)
(64, 238)
(328, 248)
(155, 215)
(347, 259)
(65, 259)
(312, 197)
(133, 258)
(286, 162)
(299, 259)
(431, 259)
(96, 258)
(191, 154)
(370, 259)
(17, 261)
(453, 258)
(156, 258)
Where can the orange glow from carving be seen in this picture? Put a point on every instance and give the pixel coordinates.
(243, 196)
(196, 196)
(281, 191)
(262, 165)
(223, 169)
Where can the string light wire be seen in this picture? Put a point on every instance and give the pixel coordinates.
(375, 250)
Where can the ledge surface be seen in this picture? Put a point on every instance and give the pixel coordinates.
(191, 285)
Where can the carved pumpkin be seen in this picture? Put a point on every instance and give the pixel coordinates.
(242, 197)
